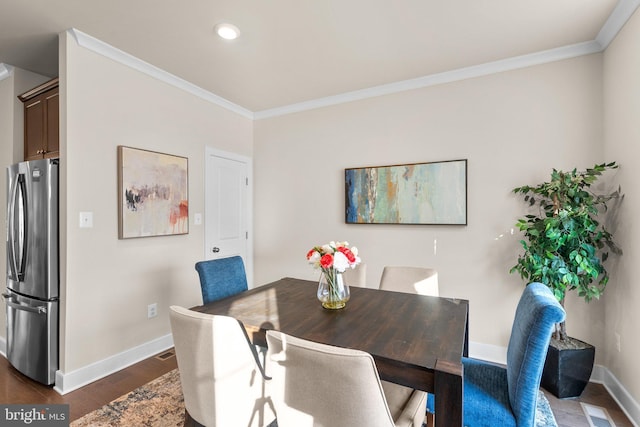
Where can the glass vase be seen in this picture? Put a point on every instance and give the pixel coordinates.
(333, 293)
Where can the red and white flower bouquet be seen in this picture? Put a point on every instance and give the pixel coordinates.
(333, 259)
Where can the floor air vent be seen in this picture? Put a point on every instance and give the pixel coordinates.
(166, 355)
(597, 416)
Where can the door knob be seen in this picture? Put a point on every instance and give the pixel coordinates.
(215, 250)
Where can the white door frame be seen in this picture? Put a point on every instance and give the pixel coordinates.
(209, 151)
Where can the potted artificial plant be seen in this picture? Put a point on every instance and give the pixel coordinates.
(564, 247)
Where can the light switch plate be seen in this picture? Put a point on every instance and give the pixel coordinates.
(197, 219)
(86, 219)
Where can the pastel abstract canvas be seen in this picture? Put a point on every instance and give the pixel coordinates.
(421, 193)
(153, 193)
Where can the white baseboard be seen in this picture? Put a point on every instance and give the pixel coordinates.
(66, 382)
(618, 392)
(488, 352)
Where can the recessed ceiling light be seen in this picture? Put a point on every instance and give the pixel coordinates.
(227, 31)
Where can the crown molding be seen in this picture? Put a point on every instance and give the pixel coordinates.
(5, 71)
(618, 18)
(620, 15)
(616, 21)
(108, 51)
(514, 63)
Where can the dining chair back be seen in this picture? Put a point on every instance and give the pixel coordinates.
(413, 280)
(508, 397)
(221, 278)
(536, 315)
(316, 384)
(356, 276)
(222, 380)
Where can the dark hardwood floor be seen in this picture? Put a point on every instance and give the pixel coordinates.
(16, 388)
(569, 412)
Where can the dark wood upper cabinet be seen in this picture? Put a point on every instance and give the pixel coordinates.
(41, 121)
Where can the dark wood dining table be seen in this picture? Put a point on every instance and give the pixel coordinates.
(416, 341)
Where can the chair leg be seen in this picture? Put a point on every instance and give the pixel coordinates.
(190, 422)
(430, 420)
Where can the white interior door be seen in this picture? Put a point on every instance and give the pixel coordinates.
(227, 207)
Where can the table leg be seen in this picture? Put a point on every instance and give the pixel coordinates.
(448, 390)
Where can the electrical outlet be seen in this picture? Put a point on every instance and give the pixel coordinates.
(617, 335)
(152, 310)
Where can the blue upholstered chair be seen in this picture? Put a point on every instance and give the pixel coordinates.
(498, 396)
(221, 278)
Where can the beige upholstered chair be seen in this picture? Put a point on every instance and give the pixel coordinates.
(321, 385)
(413, 280)
(356, 276)
(220, 371)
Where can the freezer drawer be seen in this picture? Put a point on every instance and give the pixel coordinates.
(32, 336)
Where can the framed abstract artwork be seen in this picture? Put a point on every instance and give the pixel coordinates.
(153, 195)
(418, 193)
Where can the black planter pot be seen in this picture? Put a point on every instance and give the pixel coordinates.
(567, 368)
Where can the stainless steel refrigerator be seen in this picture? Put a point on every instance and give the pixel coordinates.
(33, 280)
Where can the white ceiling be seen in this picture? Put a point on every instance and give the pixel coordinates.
(294, 51)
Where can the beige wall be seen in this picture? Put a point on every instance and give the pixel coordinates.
(513, 128)
(109, 282)
(622, 133)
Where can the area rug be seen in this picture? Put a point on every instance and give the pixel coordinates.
(158, 403)
(544, 415)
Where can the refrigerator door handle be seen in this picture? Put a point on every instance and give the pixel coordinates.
(37, 310)
(11, 246)
(17, 247)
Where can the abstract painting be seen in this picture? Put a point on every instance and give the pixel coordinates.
(152, 193)
(419, 193)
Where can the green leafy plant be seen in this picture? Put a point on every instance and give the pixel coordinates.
(564, 244)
